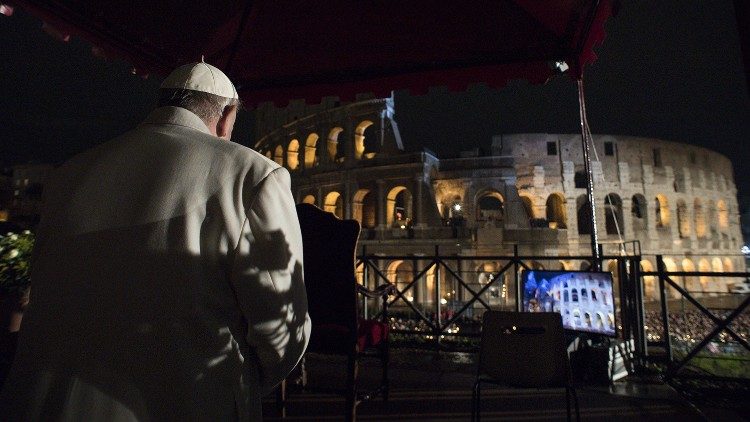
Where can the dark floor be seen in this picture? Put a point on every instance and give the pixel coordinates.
(426, 386)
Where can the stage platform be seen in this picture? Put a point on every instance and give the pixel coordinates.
(431, 386)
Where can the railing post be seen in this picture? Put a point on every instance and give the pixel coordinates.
(365, 281)
(438, 319)
(516, 277)
(641, 340)
(664, 310)
(625, 303)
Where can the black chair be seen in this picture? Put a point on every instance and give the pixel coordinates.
(524, 350)
(329, 247)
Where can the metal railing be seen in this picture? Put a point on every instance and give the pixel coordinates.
(718, 324)
(436, 320)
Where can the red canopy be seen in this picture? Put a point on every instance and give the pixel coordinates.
(277, 50)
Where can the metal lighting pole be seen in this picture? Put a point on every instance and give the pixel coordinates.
(585, 139)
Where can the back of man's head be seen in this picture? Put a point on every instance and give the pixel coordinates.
(200, 88)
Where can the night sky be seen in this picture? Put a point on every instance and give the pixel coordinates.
(670, 69)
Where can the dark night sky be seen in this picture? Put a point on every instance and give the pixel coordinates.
(668, 69)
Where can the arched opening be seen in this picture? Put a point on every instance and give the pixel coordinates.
(334, 204)
(700, 219)
(278, 155)
(662, 211)
(639, 213)
(334, 152)
(489, 206)
(309, 199)
(360, 150)
(269, 154)
(612, 267)
(704, 267)
(401, 273)
(613, 214)
(292, 154)
(719, 283)
(683, 220)
(583, 214)
(690, 283)
(712, 224)
(649, 281)
(721, 208)
(728, 265)
(556, 214)
(364, 208)
(528, 206)
(311, 150)
(670, 267)
(535, 265)
(398, 207)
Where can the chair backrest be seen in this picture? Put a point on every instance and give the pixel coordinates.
(329, 247)
(524, 349)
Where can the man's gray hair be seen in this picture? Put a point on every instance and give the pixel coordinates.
(208, 107)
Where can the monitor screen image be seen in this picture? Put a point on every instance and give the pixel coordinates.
(584, 299)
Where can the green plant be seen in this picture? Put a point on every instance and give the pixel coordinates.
(15, 257)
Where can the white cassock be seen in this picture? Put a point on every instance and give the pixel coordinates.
(166, 285)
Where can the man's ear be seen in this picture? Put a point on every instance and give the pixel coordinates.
(225, 124)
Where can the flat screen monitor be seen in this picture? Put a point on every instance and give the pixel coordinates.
(585, 299)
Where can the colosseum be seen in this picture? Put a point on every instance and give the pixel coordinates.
(524, 192)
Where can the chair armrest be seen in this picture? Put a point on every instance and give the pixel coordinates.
(382, 290)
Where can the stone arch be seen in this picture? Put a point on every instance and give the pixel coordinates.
(309, 199)
(278, 155)
(398, 200)
(269, 154)
(565, 265)
(332, 144)
(683, 220)
(712, 222)
(535, 265)
(701, 230)
(364, 208)
(489, 206)
(528, 206)
(639, 213)
(662, 211)
(719, 282)
(691, 283)
(670, 266)
(292, 154)
(613, 214)
(649, 281)
(556, 211)
(583, 214)
(728, 265)
(401, 273)
(360, 145)
(723, 214)
(612, 267)
(705, 267)
(334, 203)
(311, 150)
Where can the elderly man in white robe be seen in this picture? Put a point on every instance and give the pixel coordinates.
(167, 278)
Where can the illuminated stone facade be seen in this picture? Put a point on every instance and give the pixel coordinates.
(524, 191)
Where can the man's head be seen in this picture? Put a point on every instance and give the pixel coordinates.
(205, 91)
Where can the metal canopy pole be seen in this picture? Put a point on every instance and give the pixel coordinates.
(586, 141)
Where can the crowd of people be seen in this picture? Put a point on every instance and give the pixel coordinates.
(693, 326)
